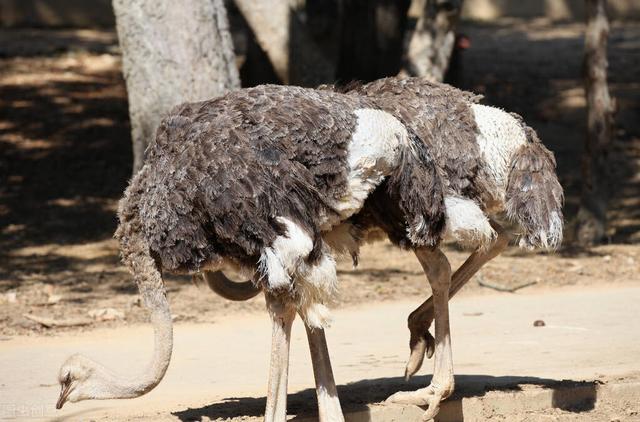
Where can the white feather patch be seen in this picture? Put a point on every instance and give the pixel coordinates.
(466, 223)
(546, 240)
(316, 288)
(313, 287)
(500, 135)
(374, 152)
(280, 261)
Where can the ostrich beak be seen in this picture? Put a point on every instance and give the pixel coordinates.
(64, 393)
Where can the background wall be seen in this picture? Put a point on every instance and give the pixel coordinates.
(98, 13)
(553, 9)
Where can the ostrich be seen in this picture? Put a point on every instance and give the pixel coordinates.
(257, 180)
(491, 164)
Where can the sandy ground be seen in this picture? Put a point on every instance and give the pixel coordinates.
(219, 370)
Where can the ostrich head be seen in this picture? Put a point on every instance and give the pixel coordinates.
(80, 378)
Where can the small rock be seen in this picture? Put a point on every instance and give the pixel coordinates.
(53, 299)
(26, 323)
(11, 297)
(607, 258)
(539, 323)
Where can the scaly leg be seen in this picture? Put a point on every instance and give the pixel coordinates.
(420, 320)
(282, 315)
(438, 270)
(328, 402)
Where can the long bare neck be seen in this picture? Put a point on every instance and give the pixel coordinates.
(151, 286)
(112, 386)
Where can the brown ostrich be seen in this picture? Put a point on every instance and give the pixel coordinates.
(260, 180)
(492, 166)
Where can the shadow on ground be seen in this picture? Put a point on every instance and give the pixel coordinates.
(356, 397)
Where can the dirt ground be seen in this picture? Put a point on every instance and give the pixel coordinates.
(507, 369)
(64, 136)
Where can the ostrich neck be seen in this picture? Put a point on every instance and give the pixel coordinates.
(151, 287)
(113, 386)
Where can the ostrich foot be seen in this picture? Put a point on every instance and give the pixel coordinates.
(429, 396)
(420, 346)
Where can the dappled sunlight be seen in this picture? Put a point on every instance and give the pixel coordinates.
(102, 249)
(30, 42)
(66, 160)
(571, 31)
(30, 144)
(572, 98)
(20, 73)
(565, 101)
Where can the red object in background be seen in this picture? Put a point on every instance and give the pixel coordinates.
(462, 42)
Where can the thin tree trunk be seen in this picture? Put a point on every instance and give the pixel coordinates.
(591, 222)
(173, 51)
(433, 40)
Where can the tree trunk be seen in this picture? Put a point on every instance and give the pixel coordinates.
(294, 55)
(269, 21)
(172, 52)
(591, 221)
(433, 40)
(371, 39)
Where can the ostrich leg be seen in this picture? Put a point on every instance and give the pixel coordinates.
(282, 315)
(438, 271)
(328, 402)
(420, 319)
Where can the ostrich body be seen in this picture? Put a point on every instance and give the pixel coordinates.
(491, 165)
(257, 180)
